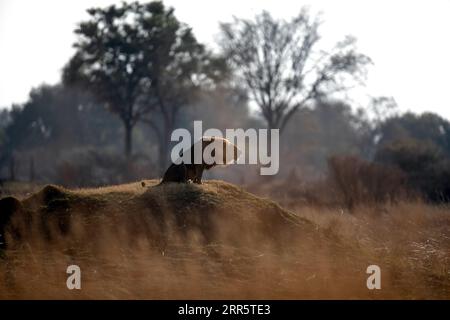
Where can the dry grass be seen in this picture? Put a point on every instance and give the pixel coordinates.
(410, 241)
(19, 190)
(218, 241)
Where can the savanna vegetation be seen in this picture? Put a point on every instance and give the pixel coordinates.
(356, 186)
(218, 241)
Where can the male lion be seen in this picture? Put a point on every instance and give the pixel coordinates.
(183, 172)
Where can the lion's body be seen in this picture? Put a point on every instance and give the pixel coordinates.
(185, 172)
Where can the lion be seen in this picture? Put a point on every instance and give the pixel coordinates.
(185, 172)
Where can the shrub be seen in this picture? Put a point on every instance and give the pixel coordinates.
(357, 181)
(425, 165)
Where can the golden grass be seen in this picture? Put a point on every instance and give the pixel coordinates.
(410, 241)
(217, 241)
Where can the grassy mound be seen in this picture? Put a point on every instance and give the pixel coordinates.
(215, 212)
(214, 241)
(146, 240)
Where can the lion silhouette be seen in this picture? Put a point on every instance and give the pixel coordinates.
(184, 172)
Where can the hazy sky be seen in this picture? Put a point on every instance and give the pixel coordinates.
(409, 41)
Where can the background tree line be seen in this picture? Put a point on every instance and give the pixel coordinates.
(138, 73)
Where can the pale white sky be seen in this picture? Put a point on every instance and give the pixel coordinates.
(409, 41)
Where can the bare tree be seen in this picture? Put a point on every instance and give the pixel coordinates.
(279, 63)
(382, 108)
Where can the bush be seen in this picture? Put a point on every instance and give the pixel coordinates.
(357, 181)
(425, 165)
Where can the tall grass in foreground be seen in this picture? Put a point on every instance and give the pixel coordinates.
(409, 241)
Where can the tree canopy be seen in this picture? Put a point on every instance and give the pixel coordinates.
(139, 59)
